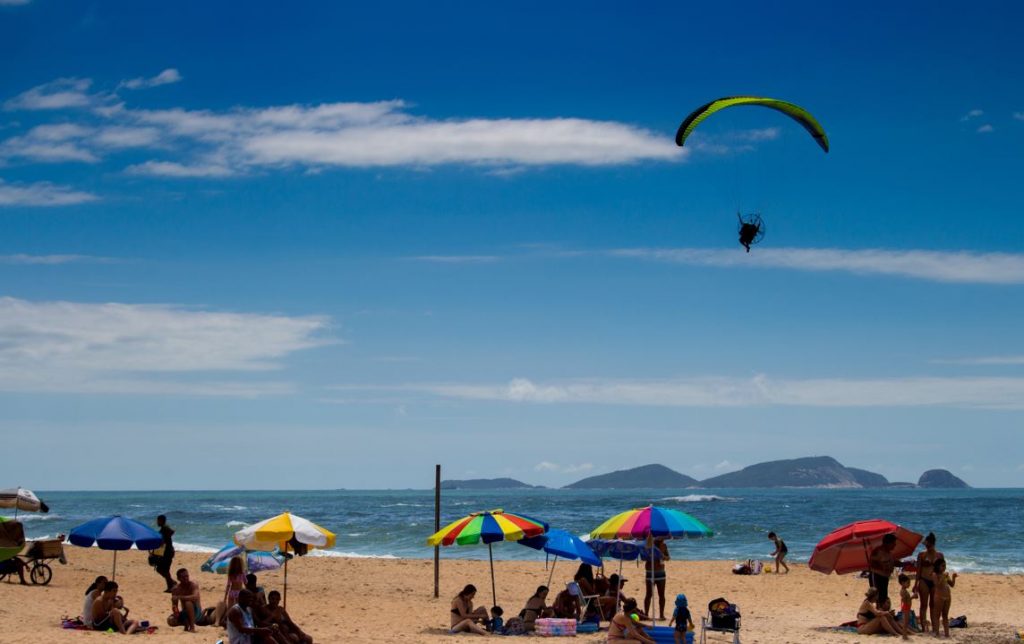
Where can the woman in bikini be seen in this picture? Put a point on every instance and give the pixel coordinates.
(232, 587)
(535, 608)
(872, 621)
(925, 585)
(656, 554)
(623, 629)
(466, 619)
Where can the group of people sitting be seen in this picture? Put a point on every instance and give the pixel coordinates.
(610, 603)
(250, 615)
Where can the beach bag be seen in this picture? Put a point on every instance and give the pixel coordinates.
(958, 622)
(155, 556)
(514, 626)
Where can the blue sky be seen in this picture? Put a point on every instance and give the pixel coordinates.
(376, 238)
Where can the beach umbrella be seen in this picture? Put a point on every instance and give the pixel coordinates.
(848, 549)
(489, 527)
(561, 543)
(255, 560)
(283, 532)
(18, 498)
(115, 533)
(652, 521)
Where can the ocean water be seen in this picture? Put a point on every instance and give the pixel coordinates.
(977, 529)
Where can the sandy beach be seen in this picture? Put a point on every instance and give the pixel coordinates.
(382, 600)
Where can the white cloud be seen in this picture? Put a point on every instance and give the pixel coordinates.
(548, 466)
(209, 143)
(939, 266)
(52, 260)
(41, 194)
(165, 77)
(973, 114)
(60, 94)
(131, 348)
(985, 129)
(714, 391)
(725, 465)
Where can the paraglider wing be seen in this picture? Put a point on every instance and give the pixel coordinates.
(795, 112)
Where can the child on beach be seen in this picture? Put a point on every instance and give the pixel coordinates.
(683, 621)
(780, 552)
(906, 602)
(942, 597)
(497, 622)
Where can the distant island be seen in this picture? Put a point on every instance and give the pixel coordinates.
(807, 472)
(645, 476)
(486, 484)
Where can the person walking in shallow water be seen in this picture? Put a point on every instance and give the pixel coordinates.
(780, 552)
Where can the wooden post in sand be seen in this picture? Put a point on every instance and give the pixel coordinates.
(437, 527)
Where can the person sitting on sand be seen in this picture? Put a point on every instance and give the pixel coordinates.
(925, 584)
(872, 620)
(624, 628)
(536, 607)
(107, 615)
(276, 614)
(942, 597)
(259, 595)
(186, 606)
(882, 563)
(242, 628)
(780, 552)
(497, 622)
(465, 618)
(92, 593)
(566, 605)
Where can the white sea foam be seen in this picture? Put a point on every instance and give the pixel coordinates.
(192, 547)
(25, 517)
(404, 505)
(698, 498)
(347, 555)
(236, 524)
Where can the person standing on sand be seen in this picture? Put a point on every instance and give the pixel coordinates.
(654, 573)
(925, 584)
(780, 552)
(163, 566)
(881, 564)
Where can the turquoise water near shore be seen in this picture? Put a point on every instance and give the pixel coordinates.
(978, 529)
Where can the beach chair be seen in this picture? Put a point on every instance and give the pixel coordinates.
(575, 590)
(723, 618)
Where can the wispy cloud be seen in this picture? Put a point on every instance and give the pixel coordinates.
(41, 194)
(1007, 360)
(220, 143)
(939, 266)
(973, 114)
(53, 260)
(548, 466)
(985, 129)
(130, 348)
(1001, 393)
(165, 77)
(457, 259)
(59, 94)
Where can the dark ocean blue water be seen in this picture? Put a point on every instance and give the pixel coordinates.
(978, 529)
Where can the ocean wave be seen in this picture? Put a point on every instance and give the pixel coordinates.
(193, 547)
(347, 555)
(24, 517)
(698, 498)
(236, 524)
(404, 505)
(224, 508)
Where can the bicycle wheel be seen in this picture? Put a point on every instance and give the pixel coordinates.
(41, 574)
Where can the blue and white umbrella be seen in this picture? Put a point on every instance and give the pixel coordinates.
(115, 533)
(255, 560)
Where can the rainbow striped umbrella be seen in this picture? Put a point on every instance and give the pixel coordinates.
(652, 521)
(489, 527)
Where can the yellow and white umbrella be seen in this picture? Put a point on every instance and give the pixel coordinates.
(283, 532)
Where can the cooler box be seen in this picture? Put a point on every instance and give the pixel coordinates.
(550, 627)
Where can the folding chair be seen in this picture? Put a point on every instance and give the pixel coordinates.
(575, 590)
(707, 624)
